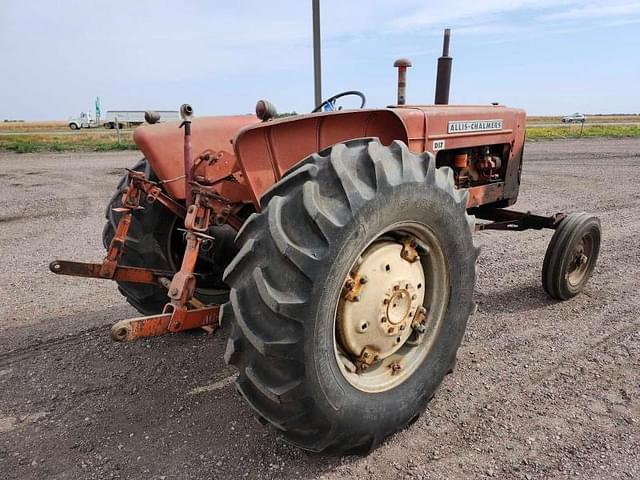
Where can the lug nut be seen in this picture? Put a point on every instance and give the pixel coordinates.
(395, 368)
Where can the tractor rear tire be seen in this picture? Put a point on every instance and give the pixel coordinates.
(149, 245)
(571, 255)
(288, 280)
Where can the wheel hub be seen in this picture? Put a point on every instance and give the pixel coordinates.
(390, 290)
(579, 265)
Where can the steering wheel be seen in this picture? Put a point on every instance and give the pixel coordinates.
(329, 105)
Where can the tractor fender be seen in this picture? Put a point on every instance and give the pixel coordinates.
(266, 151)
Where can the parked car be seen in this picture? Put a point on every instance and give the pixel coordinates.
(574, 118)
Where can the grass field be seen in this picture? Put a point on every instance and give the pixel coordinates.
(81, 141)
(28, 137)
(33, 126)
(575, 131)
(534, 119)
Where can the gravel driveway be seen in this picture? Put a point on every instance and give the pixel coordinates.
(542, 389)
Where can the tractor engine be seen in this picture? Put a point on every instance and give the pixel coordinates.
(475, 166)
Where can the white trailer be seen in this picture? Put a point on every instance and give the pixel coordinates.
(133, 118)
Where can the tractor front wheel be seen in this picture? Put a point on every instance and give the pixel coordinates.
(571, 255)
(350, 294)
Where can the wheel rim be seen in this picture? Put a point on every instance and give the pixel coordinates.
(391, 307)
(580, 260)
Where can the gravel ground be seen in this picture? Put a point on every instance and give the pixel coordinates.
(542, 389)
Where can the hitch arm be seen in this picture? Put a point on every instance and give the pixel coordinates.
(155, 325)
(119, 274)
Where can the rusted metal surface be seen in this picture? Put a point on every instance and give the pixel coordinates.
(162, 145)
(186, 112)
(109, 264)
(485, 194)
(167, 322)
(402, 64)
(130, 202)
(120, 273)
(184, 282)
(369, 356)
(154, 193)
(352, 287)
(395, 367)
(252, 156)
(379, 302)
(409, 252)
(267, 150)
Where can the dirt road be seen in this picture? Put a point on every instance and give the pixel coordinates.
(541, 390)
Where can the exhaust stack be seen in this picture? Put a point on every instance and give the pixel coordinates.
(443, 77)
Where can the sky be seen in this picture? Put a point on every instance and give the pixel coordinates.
(549, 57)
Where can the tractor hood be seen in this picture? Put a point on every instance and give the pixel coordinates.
(257, 154)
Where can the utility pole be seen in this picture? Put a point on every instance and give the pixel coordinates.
(317, 62)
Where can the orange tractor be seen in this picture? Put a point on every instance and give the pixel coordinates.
(335, 247)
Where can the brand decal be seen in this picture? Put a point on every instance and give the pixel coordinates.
(462, 126)
(438, 145)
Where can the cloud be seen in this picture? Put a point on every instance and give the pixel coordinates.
(598, 10)
(57, 56)
(506, 16)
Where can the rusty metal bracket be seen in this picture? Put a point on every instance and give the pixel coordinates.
(198, 216)
(368, 356)
(167, 322)
(130, 202)
(154, 193)
(352, 287)
(119, 274)
(409, 252)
